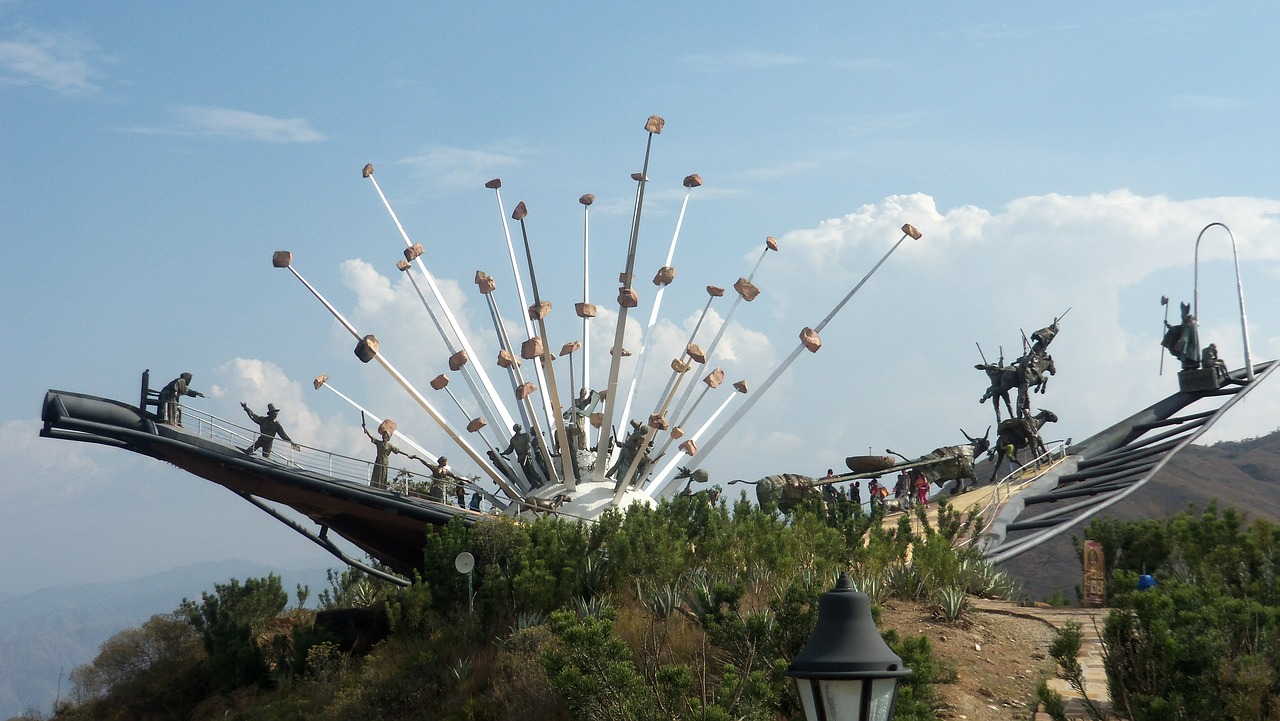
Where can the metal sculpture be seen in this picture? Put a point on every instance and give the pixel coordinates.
(950, 463)
(1015, 434)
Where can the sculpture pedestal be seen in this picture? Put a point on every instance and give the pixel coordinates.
(1203, 379)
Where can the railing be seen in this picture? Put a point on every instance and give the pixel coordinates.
(306, 458)
(1014, 482)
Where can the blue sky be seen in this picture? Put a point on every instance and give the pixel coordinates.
(157, 154)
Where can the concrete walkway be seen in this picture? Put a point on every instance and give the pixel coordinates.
(1091, 621)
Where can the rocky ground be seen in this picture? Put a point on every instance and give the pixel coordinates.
(998, 659)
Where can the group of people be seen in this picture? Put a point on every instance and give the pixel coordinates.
(912, 488)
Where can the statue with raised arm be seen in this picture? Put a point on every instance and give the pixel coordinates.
(174, 390)
(384, 449)
(268, 428)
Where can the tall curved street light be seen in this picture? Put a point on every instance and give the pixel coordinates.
(1244, 327)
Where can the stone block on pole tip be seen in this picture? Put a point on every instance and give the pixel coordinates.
(587, 199)
(677, 433)
(693, 180)
(746, 289)
(520, 212)
(457, 360)
(281, 259)
(680, 366)
(771, 243)
(740, 386)
(412, 252)
(696, 353)
(320, 380)
(637, 177)
(657, 421)
(525, 391)
(585, 310)
(440, 382)
(689, 447)
(388, 426)
(597, 420)
(615, 350)
(506, 360)
(540, 310)
(403, 265)
(367, 348)
(666, 274)
(654, 124)
(809, 337)
(475, 425)
(570, 347)
(367, 171)
(715, 291)
(494, 184)
(531, 348)
(628, 298)
(714, 378)
(485, 282)
(910, 230)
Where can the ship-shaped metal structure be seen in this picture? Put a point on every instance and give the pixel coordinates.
(571, 463)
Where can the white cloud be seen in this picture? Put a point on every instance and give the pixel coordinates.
(62, 62)
(36, 468)
(1216, 103)
(208, 121)
(744, 60)
(448, 167)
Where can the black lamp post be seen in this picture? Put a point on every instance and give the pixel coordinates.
(847, 672)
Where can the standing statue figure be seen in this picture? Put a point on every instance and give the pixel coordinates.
(382, 454)
(629, 450)
(522, 444)
(576, 414)
(1183, 340)
(268, 429)
(173, 391)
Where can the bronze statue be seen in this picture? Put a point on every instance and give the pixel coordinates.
(378, 479)
(173, 391)
(268, 429)
(1183, 340)
(1003, 379)
(522, 444)
(1017, 433)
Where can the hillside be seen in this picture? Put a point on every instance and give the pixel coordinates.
(1244, 475)
(47, 633)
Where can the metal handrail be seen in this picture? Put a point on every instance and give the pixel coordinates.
(308, 458)
(1055, 451)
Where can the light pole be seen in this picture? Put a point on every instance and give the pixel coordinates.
(1195, 298)
(847, 672)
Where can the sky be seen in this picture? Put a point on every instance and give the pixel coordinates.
(1054, 158)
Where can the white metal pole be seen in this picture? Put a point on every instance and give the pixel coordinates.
(448, 314)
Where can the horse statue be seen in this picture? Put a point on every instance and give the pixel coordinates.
(1035, 369)
(1015, 434)
(1003, 379)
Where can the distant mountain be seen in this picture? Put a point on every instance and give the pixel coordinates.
(1244, 475)
(47, 633)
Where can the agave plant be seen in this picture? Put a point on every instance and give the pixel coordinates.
(461, 668)
(951, 603)
(902, 579)
(526, 620)
(663, 600)
(871, 584)
(594, 607)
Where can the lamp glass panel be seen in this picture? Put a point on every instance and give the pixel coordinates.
(843, 699)
(884, 691)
